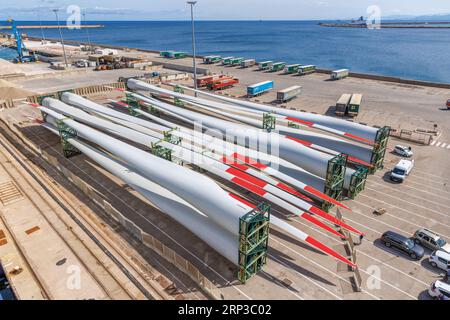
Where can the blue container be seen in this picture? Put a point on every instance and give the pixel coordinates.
(259, 88)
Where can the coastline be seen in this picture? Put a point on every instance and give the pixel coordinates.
(376, 77)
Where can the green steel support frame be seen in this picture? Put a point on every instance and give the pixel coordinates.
(357, 182)
(171, 138)
(334, 182)
(268, 122)
(177, 101)
(161, 151)
(253, 241)
(379, 149)
(65, 133)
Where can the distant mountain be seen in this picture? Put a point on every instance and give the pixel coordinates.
(431, 17)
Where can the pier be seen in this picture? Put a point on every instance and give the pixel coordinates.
(89, 26)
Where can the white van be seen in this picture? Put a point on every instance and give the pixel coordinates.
(439, 290)
(401, 170)
(440, 259)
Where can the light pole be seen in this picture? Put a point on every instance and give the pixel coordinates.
(60, 34)
(87, 32)
(192, 3)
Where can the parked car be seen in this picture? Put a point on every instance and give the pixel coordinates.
(448, 104)
(403, 244)
(431, 240)
(439, 290)
(403, 151)
(440, 259)
(401, 170)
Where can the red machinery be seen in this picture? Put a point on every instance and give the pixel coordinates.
(222, 84)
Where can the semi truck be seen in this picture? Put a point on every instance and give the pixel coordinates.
(354, 104)
(212, 59)
(302, 70)
(342, 104)
(236, 61)
(292, 68)
(265, 65)
(339, 74)
(222, 84)
(288, 93)
(259, 88)
(227, 61)
(248, 63)
(278, 66)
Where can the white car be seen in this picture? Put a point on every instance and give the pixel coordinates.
(403, 151)
(401, 170)
(440, 259)
(439, 290)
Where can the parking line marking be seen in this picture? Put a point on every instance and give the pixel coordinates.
(443, 145)
(407, 211)
(432, 143)
(412, 203)
(375, 259)
(438, 144)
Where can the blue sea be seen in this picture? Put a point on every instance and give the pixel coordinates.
(422, 54)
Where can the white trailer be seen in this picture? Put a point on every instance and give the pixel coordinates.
(248, 63)
(339, 74)
(288, 93)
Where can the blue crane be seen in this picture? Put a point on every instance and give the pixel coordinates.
(23, 54)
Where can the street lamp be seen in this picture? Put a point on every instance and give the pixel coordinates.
(87, 32)
(192, 3)
(60, 34)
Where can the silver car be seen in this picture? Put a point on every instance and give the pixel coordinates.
(431, 240)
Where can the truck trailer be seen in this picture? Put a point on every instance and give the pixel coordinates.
(278, 66)
(342, 104)
(339, 74)
(227, 61)
(302, 70)
(259, 88)
(205, 80)
(265, 65)
(355, 103)
(236, 61)
(292, 68)
(222, 84)
(288, 93)
(212, 59)
(248, 63)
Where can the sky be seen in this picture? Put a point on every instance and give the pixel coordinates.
(219, 9)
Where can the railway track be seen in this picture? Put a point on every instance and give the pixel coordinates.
(149, 291)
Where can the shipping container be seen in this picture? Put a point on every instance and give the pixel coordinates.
(342, 104)
(339, 74)
(288, 93)
(179, 55)
(211, 59)
(292, 68)
(259, 88)
(173, 54)
(227, 60)
(165, 54)
(236, 61)
(222, 84)
(306, 69)
(248, 63)
(265, 65)
(355, 103)
(278, 66)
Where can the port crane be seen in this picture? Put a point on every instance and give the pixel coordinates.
(23, 55)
